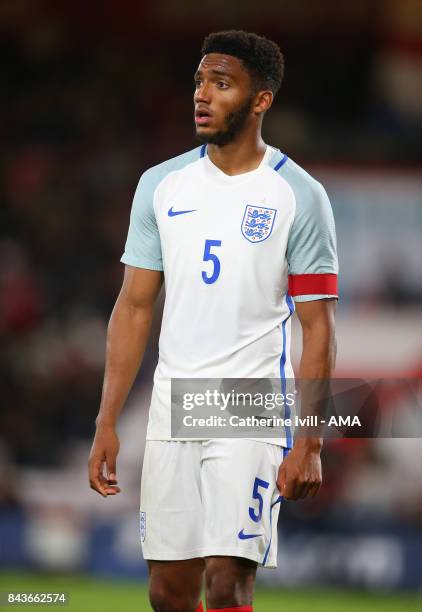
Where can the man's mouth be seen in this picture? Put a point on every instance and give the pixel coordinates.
(202, 116)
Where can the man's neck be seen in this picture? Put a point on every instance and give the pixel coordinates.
(243, 154)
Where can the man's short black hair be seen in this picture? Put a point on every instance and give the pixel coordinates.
(260, 56)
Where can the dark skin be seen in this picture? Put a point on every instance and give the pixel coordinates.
(222, 86)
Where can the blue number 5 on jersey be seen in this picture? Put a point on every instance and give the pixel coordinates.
(208, 256)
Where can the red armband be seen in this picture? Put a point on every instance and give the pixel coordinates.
(309, 284)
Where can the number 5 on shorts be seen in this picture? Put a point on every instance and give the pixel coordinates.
(257, 495)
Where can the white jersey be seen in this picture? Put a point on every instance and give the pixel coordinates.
(235, 251)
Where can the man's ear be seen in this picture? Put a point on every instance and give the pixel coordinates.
(263, 101)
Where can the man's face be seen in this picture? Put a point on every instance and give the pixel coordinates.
(223, 98)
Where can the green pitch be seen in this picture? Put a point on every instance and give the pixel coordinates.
(87, 594)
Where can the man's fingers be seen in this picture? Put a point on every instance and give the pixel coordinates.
(313, 489)
(112, 490)
(307, 490)
(281, 480)
(299, 479)
(286, 484)
(301, 490)
(288, 488)
(111, 467)
(96, 478)
(103, 486)
(107, 485)
(102, 462)
(98, 482)
(111, 471)
(295, 488)
(96, 485)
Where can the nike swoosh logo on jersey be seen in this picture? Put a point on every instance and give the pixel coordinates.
(174, 213)
(248, 536)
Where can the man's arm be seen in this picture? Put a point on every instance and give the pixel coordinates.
(300, 473)
(127, 335)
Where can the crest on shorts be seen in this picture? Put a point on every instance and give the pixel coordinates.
(258, 222)
(143, 525)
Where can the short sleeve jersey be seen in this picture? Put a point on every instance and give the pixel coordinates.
(236, 252)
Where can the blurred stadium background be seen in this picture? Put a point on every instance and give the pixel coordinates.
(93, 94)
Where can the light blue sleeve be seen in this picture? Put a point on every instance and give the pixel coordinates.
(311, 247)
(143, 245)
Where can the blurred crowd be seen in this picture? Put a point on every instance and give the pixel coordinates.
(88, 105)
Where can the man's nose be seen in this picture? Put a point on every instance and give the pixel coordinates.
(202, 94)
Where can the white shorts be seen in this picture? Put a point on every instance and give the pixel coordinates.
(210, 497)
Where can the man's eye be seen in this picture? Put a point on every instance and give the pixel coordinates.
(197, 83)
(222, 85)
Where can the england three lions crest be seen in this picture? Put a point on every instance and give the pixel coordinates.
(258, 223)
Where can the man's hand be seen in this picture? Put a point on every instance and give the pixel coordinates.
(300, 475)
(104, 451)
